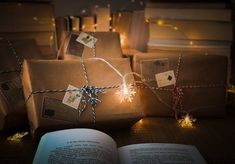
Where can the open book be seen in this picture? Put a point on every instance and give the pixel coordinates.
(89, 146)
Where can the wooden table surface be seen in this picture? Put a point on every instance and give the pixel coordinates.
(214, 138)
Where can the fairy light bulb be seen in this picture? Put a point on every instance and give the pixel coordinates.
(126, 93)
(123, 40)
(176, 28)
(187, 121)
(125, 89)
(160, 22)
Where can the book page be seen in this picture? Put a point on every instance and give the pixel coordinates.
(76, 146)
(154, 153)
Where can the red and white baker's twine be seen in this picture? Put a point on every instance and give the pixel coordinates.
(177, 91)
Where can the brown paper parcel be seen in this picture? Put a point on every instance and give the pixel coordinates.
(46, 111)
(12, 103)
(202, 79)
(107, 46)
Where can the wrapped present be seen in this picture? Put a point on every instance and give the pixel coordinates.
(12, 106)
(177, 84)
(89, 44)
(98, 85)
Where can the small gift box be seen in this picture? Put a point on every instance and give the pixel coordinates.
(179, 84)
(12, 103)
(94, 97)
(91, 44)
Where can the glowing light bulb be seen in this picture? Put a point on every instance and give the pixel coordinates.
(123, 39)
(126, 92)
(187, 121)
(160, 22)
(176, 28)
(17, 137)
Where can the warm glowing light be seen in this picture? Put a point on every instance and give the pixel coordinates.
(176, 28)
(160, 22)
(35, 18)
(140, 121)
(83, 26)
(83, 11)
(187, 121)
(231, 89)
(17, 137)
(114, 30)
(119, 14)
(110, 18)
(123, 39)
(126, 92)
(191, 43)
(51, 37)
(110, 27)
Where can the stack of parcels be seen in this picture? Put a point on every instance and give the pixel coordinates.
(197, 28)
(181, 83)
(12, 103)
(30, 21)
(46, 110)
(80, 44)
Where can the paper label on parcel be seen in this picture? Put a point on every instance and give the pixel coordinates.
(12, 91)
(54, 109)
(165, 78)
(151, 67)
(86, 39)
(72, 98)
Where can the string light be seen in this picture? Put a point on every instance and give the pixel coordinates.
(83, 11)
(123, 39)
(231, 89)
(161, 22)
(176, 28)
(187, 121)
(17, 137)
(83, 27)
(127, 91)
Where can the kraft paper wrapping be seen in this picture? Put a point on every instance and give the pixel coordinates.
(197, 72)
(107, 46)
(110, 112)
(12, 106)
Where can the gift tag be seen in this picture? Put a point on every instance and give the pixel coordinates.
(86, 39)
(72, 98)
(151, 67)
(165, 78)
